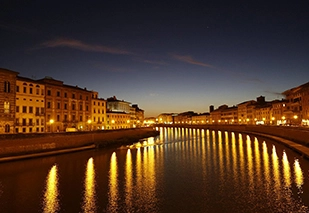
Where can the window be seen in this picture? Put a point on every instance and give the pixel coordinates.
(73, 95)
(80, 97)
(24, 109)
(30, 90)
(25, 89)
(80, 118)
(17, 88)
(31, 109)
(65, 106)
(37, 91)
(48, 105)
(42, 110)
(58, 117)
(30, 122)
(38, 122)
(7, 128)
(80, 107)
(65, 95)
(58, 105)
(73, 117)
(48, 92)
(7, 86)
(86, 108)
(6, 107)
(58, 94)
(65, 117)
(24, 122)
(37, 110)
(73, 106)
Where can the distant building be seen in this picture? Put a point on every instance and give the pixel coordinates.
(165, 118)
(203, 118)
(117, 120)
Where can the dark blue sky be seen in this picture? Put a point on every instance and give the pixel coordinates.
(171, 56)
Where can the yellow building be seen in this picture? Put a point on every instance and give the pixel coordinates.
(117, 120)
(245, 112)
(98, 112)
(166, 118)
(30, 106)
(201, 119)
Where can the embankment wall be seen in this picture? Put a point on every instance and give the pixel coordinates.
(21, 144)
(297, 134)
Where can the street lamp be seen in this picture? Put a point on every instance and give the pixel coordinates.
(89, 123)
(51, 121)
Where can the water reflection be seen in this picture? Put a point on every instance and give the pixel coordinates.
(89, 204)
(299, 178)
(51, 195)
(113, 194)
(286, 170)
(129, 180)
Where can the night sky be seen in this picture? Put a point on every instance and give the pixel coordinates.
(165, 56)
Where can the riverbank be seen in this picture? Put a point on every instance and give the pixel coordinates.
(295, 138)
(22, 146)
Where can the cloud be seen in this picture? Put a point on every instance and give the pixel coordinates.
(76, 44)
(155, 62)
(188, 59)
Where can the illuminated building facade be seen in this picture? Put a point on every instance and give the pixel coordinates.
(98, 114)
(66, 106)
(297, 110)
(7, 100)
(30, 106)
(117, 120)
(201, 119)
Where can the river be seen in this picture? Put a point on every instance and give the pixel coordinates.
(181, 170)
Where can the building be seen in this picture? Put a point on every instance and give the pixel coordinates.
(137, 116)
(245, 113)
(203, 118)
(297, 110)
(30, 106)
(66, 106)
(166, 118)
(115, 105)
(117, 120)
(229, 115)
(7, 100)
(98, 112)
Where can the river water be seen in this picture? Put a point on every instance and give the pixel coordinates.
(182, 170)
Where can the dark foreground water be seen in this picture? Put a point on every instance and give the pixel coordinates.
(182, 170)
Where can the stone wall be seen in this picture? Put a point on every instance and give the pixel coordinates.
(21, 144)
(297, 134)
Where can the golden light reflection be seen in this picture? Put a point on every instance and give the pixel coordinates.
(113, 194)
(51, 196)
(234, 154)
(299, 178)
(266, 163)
(89, 204)
(286, 170)
(241, 157)
(220, 155)
(129, 181)
(250, 160)
(276, 169)
(257, 159)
